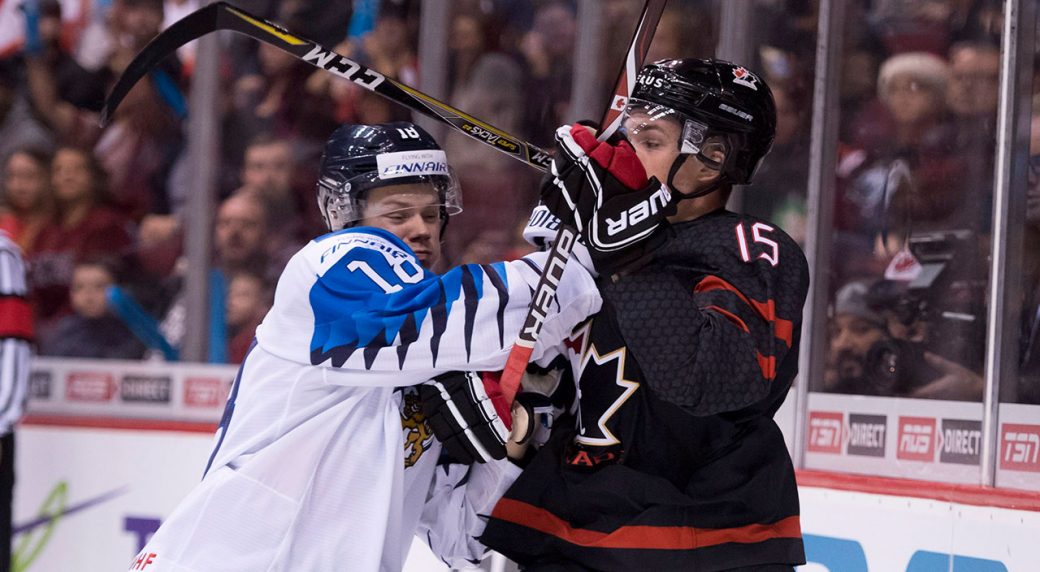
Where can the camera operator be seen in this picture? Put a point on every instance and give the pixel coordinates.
(856, 335)
(934, 347)
(885, 338)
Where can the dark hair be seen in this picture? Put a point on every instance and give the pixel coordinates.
(396, 9)
(39, 155)
(100, 192)
(9, 74)
(107, 263)
(265, 138)
(156, 5)
(266, 291)
(50, 8)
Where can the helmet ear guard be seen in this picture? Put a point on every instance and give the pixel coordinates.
(699, 140)
(337, 207)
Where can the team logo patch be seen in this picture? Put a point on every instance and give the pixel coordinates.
(418, 436)
(745, 78)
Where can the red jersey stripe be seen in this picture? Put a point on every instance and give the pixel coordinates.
(768, 365)
(15, 318)
(730, 316)
(783, 329)
(643, 537)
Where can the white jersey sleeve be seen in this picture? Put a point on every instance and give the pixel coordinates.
(460, 499)
(358, 304)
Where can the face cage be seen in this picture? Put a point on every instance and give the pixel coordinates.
(342, 205)
(696, 138)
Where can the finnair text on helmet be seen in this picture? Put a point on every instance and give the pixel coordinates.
(639, 212)
(420, 168)
(411, 163)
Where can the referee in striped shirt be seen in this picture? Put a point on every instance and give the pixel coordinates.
(16, 333)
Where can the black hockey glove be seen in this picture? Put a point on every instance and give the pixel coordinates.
(464, 415)
(603, 189)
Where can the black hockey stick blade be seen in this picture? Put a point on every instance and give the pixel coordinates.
(223, 16)
(567, 235)
(191, 27)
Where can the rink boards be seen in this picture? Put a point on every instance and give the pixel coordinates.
(93, 483)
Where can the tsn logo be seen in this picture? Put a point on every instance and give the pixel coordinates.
(825, 431)
(917, 438)
(639, 212)
(1020, 447)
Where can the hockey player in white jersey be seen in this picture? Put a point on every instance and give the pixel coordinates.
(323, 461)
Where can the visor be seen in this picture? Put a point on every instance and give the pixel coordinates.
(686, 134)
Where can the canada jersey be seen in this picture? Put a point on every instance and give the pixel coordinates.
(674, 461)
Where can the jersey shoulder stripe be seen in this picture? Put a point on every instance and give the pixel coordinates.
(370, 292)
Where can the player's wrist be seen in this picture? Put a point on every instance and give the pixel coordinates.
(516, 451)
(520, 435)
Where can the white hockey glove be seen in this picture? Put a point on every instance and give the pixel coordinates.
(541, 230)
(468, 415)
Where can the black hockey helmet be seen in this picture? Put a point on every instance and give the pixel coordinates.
(712, 98)
(359, 158)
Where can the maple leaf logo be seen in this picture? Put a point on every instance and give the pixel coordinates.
(745, 78)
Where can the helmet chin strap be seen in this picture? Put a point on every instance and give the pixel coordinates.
(678, 163)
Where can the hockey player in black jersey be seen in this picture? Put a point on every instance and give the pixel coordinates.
(673, 461)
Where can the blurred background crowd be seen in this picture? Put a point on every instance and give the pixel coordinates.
(100, 213)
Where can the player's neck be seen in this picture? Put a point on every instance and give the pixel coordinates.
(690, 209)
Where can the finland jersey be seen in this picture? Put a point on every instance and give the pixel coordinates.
(319, 462)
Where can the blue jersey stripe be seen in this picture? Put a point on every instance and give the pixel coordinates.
(229, 408)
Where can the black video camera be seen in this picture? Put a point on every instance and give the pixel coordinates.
(942, 311)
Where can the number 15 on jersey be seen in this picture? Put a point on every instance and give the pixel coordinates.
(771, 250)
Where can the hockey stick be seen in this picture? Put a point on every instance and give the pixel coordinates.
(223, 16)
(545, 291)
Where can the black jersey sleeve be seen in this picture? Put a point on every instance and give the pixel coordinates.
(711, 323)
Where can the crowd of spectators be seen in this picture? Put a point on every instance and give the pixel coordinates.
(97, 209)
(916, 156)
(918, 102)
